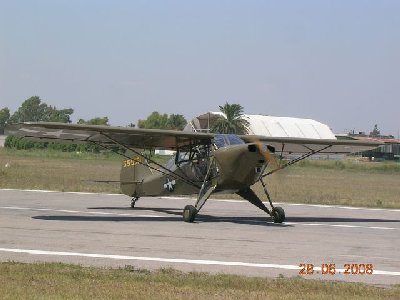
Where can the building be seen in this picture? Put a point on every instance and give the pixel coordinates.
(390, 149)
(274, 127)
(268, 126)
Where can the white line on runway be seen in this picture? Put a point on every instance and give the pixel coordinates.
(200, 218)
(217, 200)
(292, 204)
(314, 224)
(48, 191)
(80, 212)
(342, 226)
(177, 260)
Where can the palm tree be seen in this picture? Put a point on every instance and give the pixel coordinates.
(234, 122)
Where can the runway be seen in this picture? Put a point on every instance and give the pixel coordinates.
(228, 236)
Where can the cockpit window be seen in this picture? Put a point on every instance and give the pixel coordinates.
(223, 140)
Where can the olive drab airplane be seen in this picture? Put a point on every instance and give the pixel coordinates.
(203, 164)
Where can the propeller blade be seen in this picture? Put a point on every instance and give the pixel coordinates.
(269, 157)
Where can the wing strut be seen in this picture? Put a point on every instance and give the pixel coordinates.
(293, 161)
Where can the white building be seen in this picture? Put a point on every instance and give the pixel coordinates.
(268, 126)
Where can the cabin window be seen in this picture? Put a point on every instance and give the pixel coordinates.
(224, 140)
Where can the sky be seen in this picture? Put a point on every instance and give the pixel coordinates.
(337, 62)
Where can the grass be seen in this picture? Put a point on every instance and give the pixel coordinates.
(63, 281)
(348, 182)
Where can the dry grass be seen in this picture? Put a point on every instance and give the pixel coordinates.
(319, 182)
(61, 281)
(308, 184)
(58, 171)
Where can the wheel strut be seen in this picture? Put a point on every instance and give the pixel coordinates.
(277, 213)
(266, 192)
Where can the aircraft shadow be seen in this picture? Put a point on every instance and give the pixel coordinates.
(200, 219)
(104, 218)
(175, 215)
(205, 218)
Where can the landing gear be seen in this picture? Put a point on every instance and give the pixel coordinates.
(278, 214)
(189, 213)
(208, 186)
(133, 201)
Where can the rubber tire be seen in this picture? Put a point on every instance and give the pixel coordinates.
(133, 202)
(189, 213)
(278, 214)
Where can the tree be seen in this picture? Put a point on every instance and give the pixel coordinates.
(176, 122)
(95, 121)
(375, 132)
(33, 110)
(163, 121)
(233, 122)
(154, 121)
(58, 115)
(4, 117)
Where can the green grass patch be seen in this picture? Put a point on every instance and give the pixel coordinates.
(63, 281)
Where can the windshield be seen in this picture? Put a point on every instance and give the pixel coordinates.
(223, 140)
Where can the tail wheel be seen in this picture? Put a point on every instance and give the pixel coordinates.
(278, 215)
(189, 213)
(133, 201)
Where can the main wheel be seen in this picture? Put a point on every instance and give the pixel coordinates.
(189, 213)
(133, 202)
(278, 214)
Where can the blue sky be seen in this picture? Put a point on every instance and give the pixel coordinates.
(334, 61)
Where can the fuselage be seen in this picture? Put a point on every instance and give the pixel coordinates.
(234, 164)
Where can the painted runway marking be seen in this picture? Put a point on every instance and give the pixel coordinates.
(175, 260)
(199, 218)
(217, 200)
(293, 204)
(311, 224)
(47, 191)
(342, 226)
(80, 212)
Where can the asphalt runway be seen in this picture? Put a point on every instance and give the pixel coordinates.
(228, 236)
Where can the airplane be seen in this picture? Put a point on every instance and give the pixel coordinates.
(203, 164)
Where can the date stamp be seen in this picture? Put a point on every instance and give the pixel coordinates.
(333, 269)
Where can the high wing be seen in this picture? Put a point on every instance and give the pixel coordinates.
(171, 139)
(289, 145)
(107, 135)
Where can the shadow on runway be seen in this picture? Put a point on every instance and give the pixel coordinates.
(105, 218)
(175, 215)
(166, 210)
(200, 219)
(118, 208)
(178, 212)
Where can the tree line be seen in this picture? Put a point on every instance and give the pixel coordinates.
(34, 110)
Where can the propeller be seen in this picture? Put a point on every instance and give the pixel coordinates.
(269, 157)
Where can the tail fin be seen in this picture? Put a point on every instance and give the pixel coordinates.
(132, 174)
